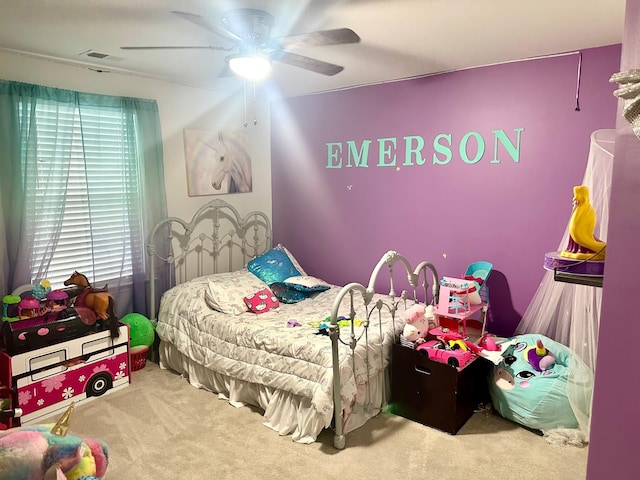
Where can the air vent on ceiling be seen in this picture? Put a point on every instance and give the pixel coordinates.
(100, 56)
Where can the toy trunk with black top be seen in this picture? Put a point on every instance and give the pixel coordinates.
(47, 329)
(433, 393)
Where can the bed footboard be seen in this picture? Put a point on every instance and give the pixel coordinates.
(419, 280)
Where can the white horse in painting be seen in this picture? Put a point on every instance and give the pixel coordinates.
(232, 159)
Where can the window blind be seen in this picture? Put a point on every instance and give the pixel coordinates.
(83, 202)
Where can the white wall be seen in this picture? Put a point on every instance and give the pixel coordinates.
(180, 107)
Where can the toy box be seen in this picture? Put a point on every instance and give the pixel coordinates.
(40, 331)
(41, 382)
(434, 393)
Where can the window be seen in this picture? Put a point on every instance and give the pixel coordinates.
(85, 210)
(81, 188)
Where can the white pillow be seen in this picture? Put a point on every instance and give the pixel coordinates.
(226, 291)
(307, 282)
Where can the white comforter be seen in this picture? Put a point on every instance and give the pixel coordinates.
(262, 349)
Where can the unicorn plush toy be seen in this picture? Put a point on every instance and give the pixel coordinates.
(45, 452)
(530, 384)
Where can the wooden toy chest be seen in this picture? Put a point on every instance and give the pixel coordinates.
(433, 393)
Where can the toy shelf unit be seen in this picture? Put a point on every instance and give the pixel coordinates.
(570, 270)
(461, 301)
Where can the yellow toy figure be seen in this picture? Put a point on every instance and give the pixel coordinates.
(583, 245)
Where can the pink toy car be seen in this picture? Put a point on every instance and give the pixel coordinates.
(439, 351)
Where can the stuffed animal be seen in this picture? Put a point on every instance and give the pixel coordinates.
(418, 320)
(531, 383)
(46, 452)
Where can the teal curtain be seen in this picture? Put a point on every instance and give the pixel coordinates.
(45, 133)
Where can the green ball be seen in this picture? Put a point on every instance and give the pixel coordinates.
(141, 330)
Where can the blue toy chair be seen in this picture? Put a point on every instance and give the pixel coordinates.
(480, 270)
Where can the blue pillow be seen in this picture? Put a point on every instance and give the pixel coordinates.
(288, 293)
(272, 266)
(295, 289)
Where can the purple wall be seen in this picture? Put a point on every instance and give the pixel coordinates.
(615, 422)
(339, 221)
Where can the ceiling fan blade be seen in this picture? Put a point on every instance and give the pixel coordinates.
(336, 36)
(306, 63)
(201, 21)
(178, 47)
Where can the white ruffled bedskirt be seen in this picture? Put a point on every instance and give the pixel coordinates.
(284, 412)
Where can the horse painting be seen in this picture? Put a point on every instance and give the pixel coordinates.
(231, 158)
(93, 304)
(217, 162)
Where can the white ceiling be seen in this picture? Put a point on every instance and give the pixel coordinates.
(400, 38)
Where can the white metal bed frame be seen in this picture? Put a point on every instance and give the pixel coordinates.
(226, 230)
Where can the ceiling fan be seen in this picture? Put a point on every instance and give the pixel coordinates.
(252, 49)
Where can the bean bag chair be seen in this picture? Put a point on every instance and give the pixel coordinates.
(541, 384)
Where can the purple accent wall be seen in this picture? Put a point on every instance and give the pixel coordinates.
(615, 422)
(338, 222)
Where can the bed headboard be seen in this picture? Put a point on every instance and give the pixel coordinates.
(216, 239)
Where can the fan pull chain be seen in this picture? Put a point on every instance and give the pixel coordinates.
(578, 82)
(244, 92)
(255, 119)
(255, 107)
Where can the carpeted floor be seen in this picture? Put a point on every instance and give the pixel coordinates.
(160, 427)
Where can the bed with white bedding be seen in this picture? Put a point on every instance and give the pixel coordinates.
(317, 363)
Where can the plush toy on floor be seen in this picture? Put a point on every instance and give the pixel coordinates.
(46, 452)
(418, 320)
(533, 383)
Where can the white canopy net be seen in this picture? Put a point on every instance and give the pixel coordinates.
(570, 313)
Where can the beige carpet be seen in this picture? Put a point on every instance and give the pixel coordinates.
(160, 427)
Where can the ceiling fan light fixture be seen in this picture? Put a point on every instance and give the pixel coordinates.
(251, 67)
